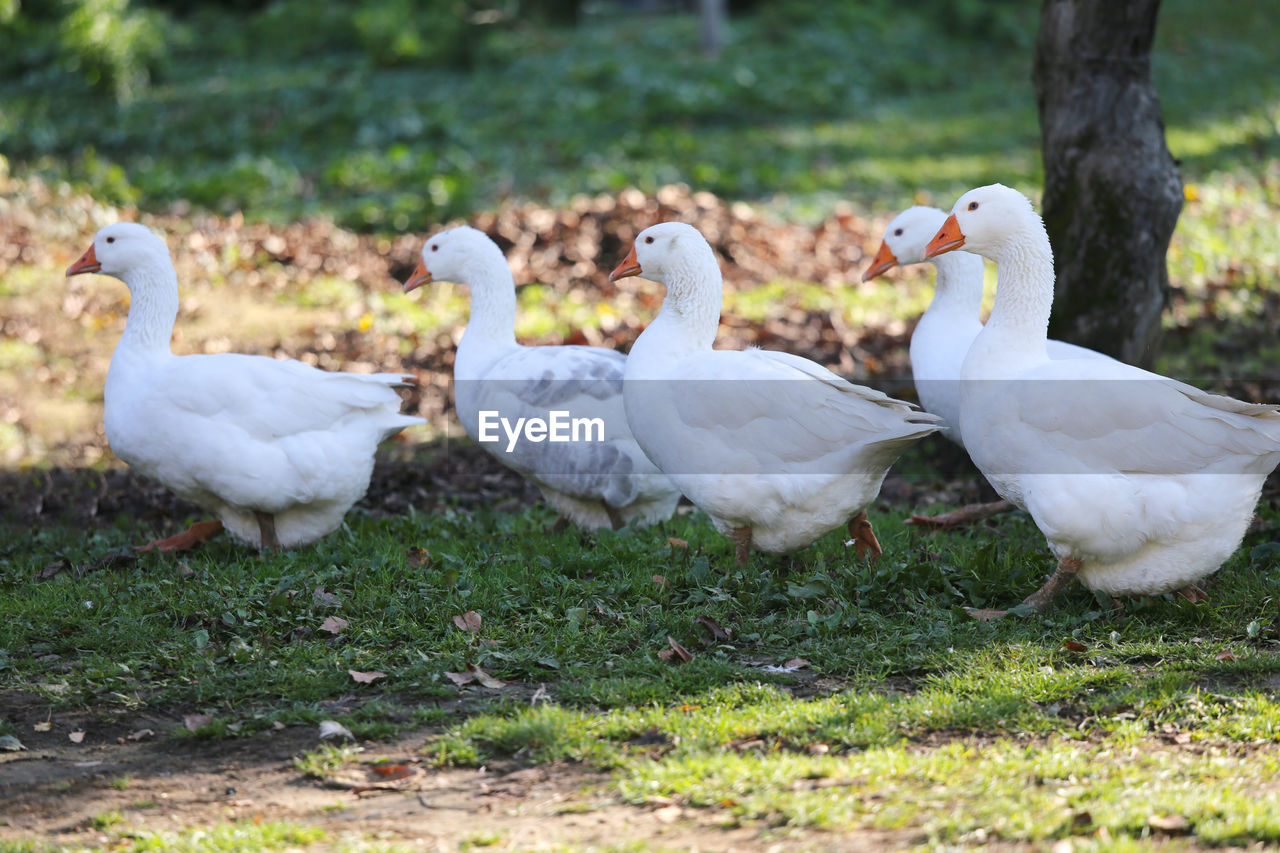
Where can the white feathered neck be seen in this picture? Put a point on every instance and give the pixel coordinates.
(690, 313)
(1018, 330)
(958, 290)
(153, 306)
(493, 295)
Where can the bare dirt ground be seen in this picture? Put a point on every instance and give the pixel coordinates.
(56, 789)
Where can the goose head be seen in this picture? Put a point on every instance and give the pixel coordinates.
(119, 249)
(668, 250)
(983, 221)
(460, 255)
(905, 239)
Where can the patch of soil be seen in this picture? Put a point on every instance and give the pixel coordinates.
(461, 475)
(458, 474)
(54, 791)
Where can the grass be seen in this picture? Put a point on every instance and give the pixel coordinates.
(907, 716)
(583, 611)
(322, 762)
(242, 835)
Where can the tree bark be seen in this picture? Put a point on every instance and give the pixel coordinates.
(1112, 191)
(712, 24)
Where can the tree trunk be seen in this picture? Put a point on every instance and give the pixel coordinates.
(1112, 191)
(712, 23)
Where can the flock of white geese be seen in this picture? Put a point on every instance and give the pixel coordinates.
(1140, 484)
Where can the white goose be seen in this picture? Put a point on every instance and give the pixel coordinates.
(776, 449)
(1141, 484)
(278, 450)
(944, 333)
(599, 478)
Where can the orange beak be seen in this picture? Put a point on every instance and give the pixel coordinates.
(420, 277)
(629, 266)
(88, 263)
(884, 261)
(948, 237)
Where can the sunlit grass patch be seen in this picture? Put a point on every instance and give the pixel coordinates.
(238, 836)
(323, 761)
(975, 791)
(991, 750)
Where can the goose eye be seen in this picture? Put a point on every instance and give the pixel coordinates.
(648, 239)
(973, 205)
(111, 239)
(435, 247)
(898, 233)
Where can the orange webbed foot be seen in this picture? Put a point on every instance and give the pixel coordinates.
(863, 537)
(964, 515)
(1193, 593)
(201, 531)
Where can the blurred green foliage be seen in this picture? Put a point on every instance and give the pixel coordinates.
(400, 115)
(106, 44)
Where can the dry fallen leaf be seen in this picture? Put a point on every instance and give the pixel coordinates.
(1172, 824)
(660, 581)
(668, 814)
(115, 560)
(1074, 646)
(330, 729)
(476, 674)
(677, 653)
(487, 680)
(677, 543)
(395, 771)
(718, 633)
(984, 614)
(52, 569)
(418, 557)
(43, 726)
(377, 777)
(324, 599)
(196, 721)
(75, 737)
(334, 625)
(365, 677)
(469, 621)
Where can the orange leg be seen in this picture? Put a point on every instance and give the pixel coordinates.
(864, 536)
(1042, 597)
(199, 532)
(1193, 593)
(615, 518)
(267, 530)
(741, 546)
(964, 515)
